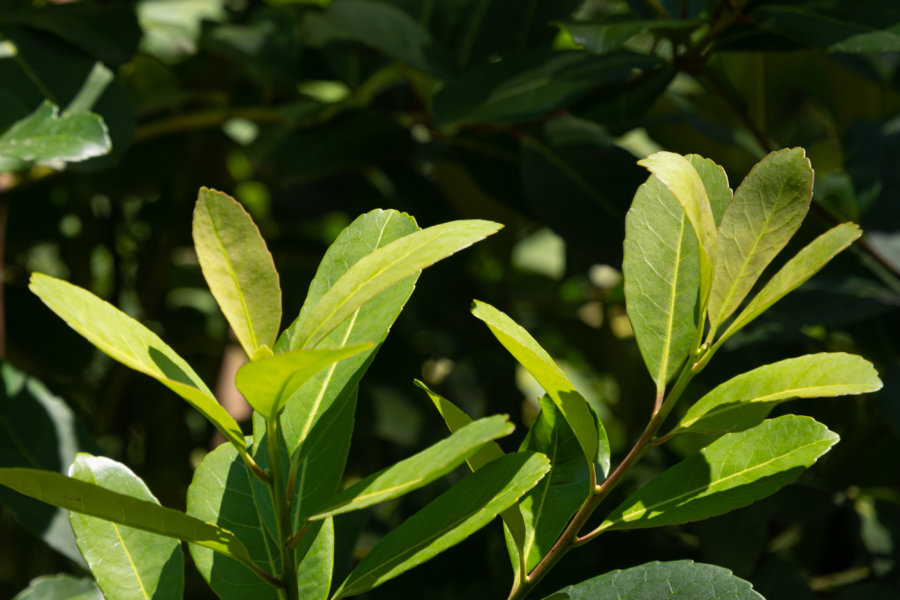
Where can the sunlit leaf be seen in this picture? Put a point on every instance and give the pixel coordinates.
(45, 136)
(767, 210)
(418, 470)
(127, 563)
(60, 587)
(238, 268)
(675, 580)
(734, 471)
(451, 518)
(315, 570)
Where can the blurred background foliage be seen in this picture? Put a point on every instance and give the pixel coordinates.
(529, 112)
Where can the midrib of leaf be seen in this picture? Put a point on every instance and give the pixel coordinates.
(134, 568)
(713, 484)
(789, 393)
(234, 279)
(262, 524)
(670, 324)
(734, 282)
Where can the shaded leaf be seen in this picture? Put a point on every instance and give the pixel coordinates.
(225, 492)
(370, 323)
(767, 210)
(60, 587)
(795, 272)
(530, 85)
(268, 383)
(835, 26)
(238, 269)
(384, 267)
(95, 501)
(90, 92)
(549, 505)
(674, 580)
(126, 562)
(449, 519)
(734, 471)
(662, 279)
(45, 136)
(418, 470)
(127, 341)
(601, 37)
(39, 431)
(535, 359)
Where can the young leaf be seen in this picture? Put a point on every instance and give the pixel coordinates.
(535, 359)
(238, 269)
(745, 400)
(662, 284)
(548, 506)
(224, 491)
(683, 180)
(93, 500)
(767, 210)
(795, 272)
(133, 345)
(370, 323)
(715, 181)
(268, 383)
(45, 136)
(60, 587)
(674, 580)
(127, 563)
(449, 519)
(734, 471)
(418, 470)
(314, 571)
(383, 268)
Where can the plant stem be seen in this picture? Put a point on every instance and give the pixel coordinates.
(288, 574)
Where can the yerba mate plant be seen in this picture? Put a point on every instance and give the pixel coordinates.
(260, 509)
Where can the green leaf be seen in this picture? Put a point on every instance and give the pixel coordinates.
(838, 27)
(715, 180)
(268, 383)
(93, 500)
(45, 136)
(384, 267)
(529, 85)
(225, 492)
(133, 345)
(449, 519)
(662, 284)
(370, 323)
(238, 268)
(513, 522)
(605, 36)
(60, 587)
(40, 431)
(314, 571)
(674, 580)
(94, 86)
(767, 210)
(418, 470)
(127, 563)
(678, 174)
(535, 359)
(549, 505)
(745, 400)
(795, 272)
(734, 471)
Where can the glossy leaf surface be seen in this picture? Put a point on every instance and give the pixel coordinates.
(268, 383)
(60, 587)
(238, 269)
(127, 341)
(370, 323)
(745, 400)
(662, 279)
(418, 470)
(675, 580)
(535, 359)
(384, 267)
(767, 210)
(127, 563)
(45, 136)
(796, 272)
(314, 571)
(95, 501)
(548, 506)
(734, 471)
(449, 519)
